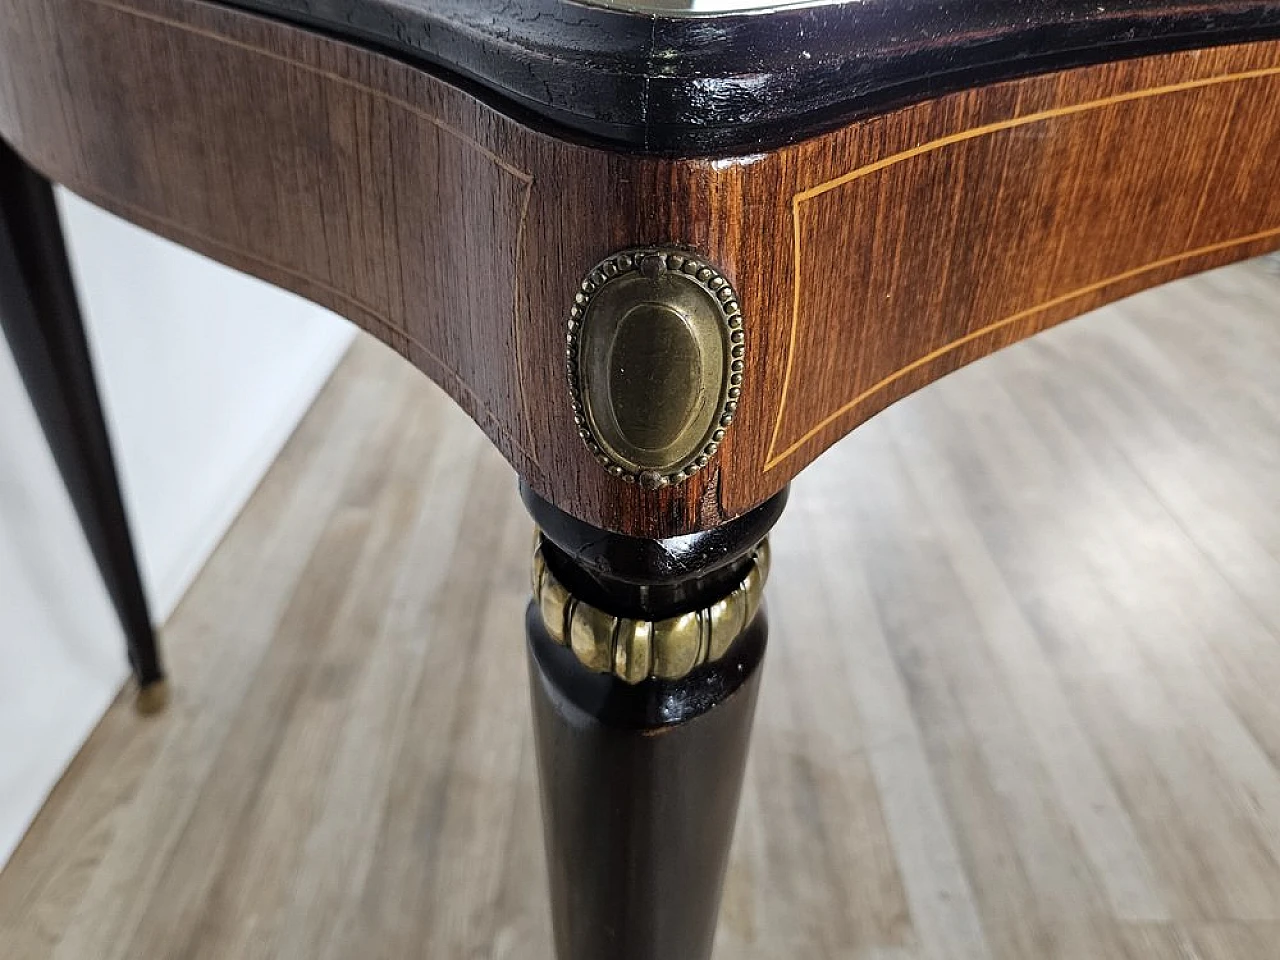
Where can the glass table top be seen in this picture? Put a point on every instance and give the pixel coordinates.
(695, 8)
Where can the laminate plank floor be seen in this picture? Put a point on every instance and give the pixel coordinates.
(1021, 700)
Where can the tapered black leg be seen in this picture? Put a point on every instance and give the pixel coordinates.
(42, 323)
(644, 662)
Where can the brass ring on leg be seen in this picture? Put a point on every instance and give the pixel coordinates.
(636, 650)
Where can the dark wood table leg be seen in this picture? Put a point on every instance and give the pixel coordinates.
(42, 323)
(644, 661)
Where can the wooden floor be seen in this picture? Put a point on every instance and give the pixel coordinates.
(1022, 701)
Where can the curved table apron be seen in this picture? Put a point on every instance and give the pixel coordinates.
(664, 261)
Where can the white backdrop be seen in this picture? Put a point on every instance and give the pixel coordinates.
(204, 373)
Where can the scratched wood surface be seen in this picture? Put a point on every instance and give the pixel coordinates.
(1020, 701)
(870, 260)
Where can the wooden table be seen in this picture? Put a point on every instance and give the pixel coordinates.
(664, 259)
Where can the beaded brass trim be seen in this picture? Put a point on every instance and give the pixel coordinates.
(656, 357)
(636, 650)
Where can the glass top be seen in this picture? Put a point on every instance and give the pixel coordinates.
(694, 8)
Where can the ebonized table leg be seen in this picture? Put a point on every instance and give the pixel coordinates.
(42, 323)
(644, 661)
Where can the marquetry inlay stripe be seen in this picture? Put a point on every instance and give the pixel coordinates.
(525, 178)
(773, 458)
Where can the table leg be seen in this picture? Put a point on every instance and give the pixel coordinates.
(41, 320)
(644, 662)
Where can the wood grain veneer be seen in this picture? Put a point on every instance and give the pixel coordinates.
(870, 261)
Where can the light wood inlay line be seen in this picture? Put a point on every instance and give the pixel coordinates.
(875, 388)
(182, 230)
(327, 74)
(1037, 117)
(773, 459)
(523, 176)
(517, 303)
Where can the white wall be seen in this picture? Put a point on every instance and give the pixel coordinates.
(204, 373)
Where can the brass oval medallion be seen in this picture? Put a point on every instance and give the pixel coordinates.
(657, 355)
(655, 363)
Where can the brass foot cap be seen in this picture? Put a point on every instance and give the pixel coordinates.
(152, 698)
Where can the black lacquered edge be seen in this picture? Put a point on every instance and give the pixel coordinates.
(649, 579)
(744, 82)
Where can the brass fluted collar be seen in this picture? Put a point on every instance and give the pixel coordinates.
(636, 650)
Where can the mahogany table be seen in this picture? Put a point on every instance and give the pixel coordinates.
(664, 257)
